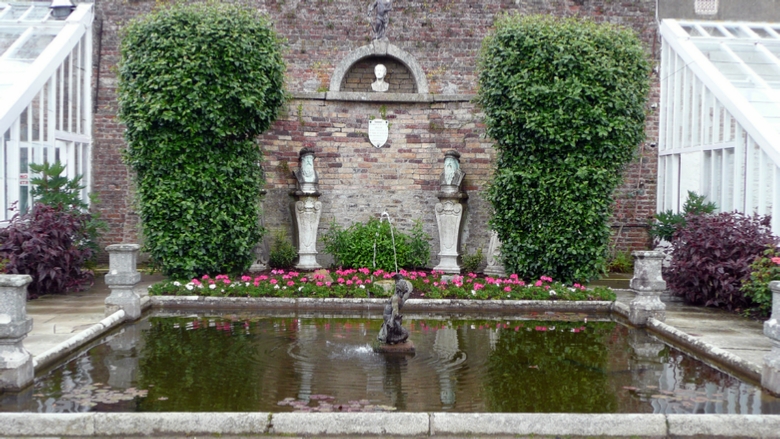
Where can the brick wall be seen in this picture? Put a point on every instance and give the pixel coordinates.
(357, 180)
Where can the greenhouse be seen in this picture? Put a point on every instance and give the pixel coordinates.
(720, 116)
(45, 98)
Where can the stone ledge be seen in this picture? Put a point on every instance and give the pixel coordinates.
(381, 97)
(698, 348)
(77, 341)
(315, 424)
(711, 426)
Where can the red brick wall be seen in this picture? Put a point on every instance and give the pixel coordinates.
(356, 179)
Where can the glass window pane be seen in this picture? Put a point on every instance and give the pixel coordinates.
(33, 47)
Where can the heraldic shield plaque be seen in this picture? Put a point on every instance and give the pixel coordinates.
(377, 132)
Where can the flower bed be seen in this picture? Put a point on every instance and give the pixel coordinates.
(363, 282)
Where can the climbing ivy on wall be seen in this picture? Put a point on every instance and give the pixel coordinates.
(564, 100)
(198, 83)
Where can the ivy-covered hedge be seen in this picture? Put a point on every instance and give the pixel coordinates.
(564, 100)
(198, 83)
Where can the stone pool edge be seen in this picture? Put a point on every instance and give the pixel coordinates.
(392, 424)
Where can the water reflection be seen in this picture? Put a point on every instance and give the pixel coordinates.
(252, 363)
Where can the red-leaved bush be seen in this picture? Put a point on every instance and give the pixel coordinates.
(49, 244)
(711, 257)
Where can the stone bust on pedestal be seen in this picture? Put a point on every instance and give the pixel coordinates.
(306, 174)
(452, 176)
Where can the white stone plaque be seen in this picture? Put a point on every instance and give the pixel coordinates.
(377, 132)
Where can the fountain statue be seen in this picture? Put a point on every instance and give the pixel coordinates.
(393, 337)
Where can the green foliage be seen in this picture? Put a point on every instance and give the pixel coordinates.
(471, 263)
(354, 247)
(565, 101)
(52, 187)
(763, 270)
(197, 84)
(283, 253)
(621, 262)
(666, 223)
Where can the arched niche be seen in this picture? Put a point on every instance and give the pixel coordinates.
(379, 50)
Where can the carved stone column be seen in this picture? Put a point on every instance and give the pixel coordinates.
(308, 210)
(770, 375)
(16, 364)
(495, 267)
(121, 278)
(449, 213)
(648, 284)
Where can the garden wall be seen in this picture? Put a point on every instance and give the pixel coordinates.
(356, 179)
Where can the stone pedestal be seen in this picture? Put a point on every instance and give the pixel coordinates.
(770, 375)
(494, 268)
(449, 212)
(308, 210)
(648, 284)
(406, 347)
(262, 250)
(121, 278)
(16, 364)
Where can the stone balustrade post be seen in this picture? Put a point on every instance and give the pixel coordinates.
(16, 364)
(648, 283)
(121, 278)
(770, 374)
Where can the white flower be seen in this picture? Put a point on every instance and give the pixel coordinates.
(473, 293)
(363, 287)
(189, 287)
(553, 293)
(300, 288)
(213, 286)
(246, 284)
(276, 287)
(176, 283)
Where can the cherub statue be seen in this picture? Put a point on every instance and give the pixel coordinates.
(392, 332)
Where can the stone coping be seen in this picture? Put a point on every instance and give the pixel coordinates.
(387, 424)
(411, 305)
(352, 96)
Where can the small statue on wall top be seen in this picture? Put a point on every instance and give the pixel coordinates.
(306, 174)
(380, 71)
(381, 18)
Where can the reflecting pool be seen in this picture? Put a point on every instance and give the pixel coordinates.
(304, 362)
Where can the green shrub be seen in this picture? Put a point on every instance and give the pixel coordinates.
(355, 246)
(282, 254)
(763, 270)
(471, 263)
(666, 223)
(621, 262)
(564, 100)
(198, 83)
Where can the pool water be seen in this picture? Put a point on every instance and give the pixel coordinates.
(253, 362)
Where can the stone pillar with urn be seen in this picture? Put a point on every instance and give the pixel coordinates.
(307, 210)
(449, 213)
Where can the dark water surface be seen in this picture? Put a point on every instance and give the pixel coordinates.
(251, 362)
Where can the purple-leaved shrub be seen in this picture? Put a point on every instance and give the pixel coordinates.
(712, 256)
(50, 244)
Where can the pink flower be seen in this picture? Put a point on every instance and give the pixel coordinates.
(319, 284)
(513, 277)
(303, 279)
(246, 278)
(358, 282)
(274, 281)
(368, 281)
(776, 260)
(340, 280)
(349, 282)
(205, 276)
(508, 289)
(435, 284)
(195, 282)
(290, 283)
(478, 286)
(364, 271)
(327, 284)
(538, 283)
(426, 281)
(472, 275)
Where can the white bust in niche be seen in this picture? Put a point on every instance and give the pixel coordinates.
(380, 71)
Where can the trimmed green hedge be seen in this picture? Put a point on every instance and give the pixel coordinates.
(198, 83)
(565, 101)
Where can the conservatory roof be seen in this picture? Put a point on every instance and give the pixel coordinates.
(32, 45)
(739, 62)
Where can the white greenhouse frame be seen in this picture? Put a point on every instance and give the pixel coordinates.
(45, 96)
(719, 130)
